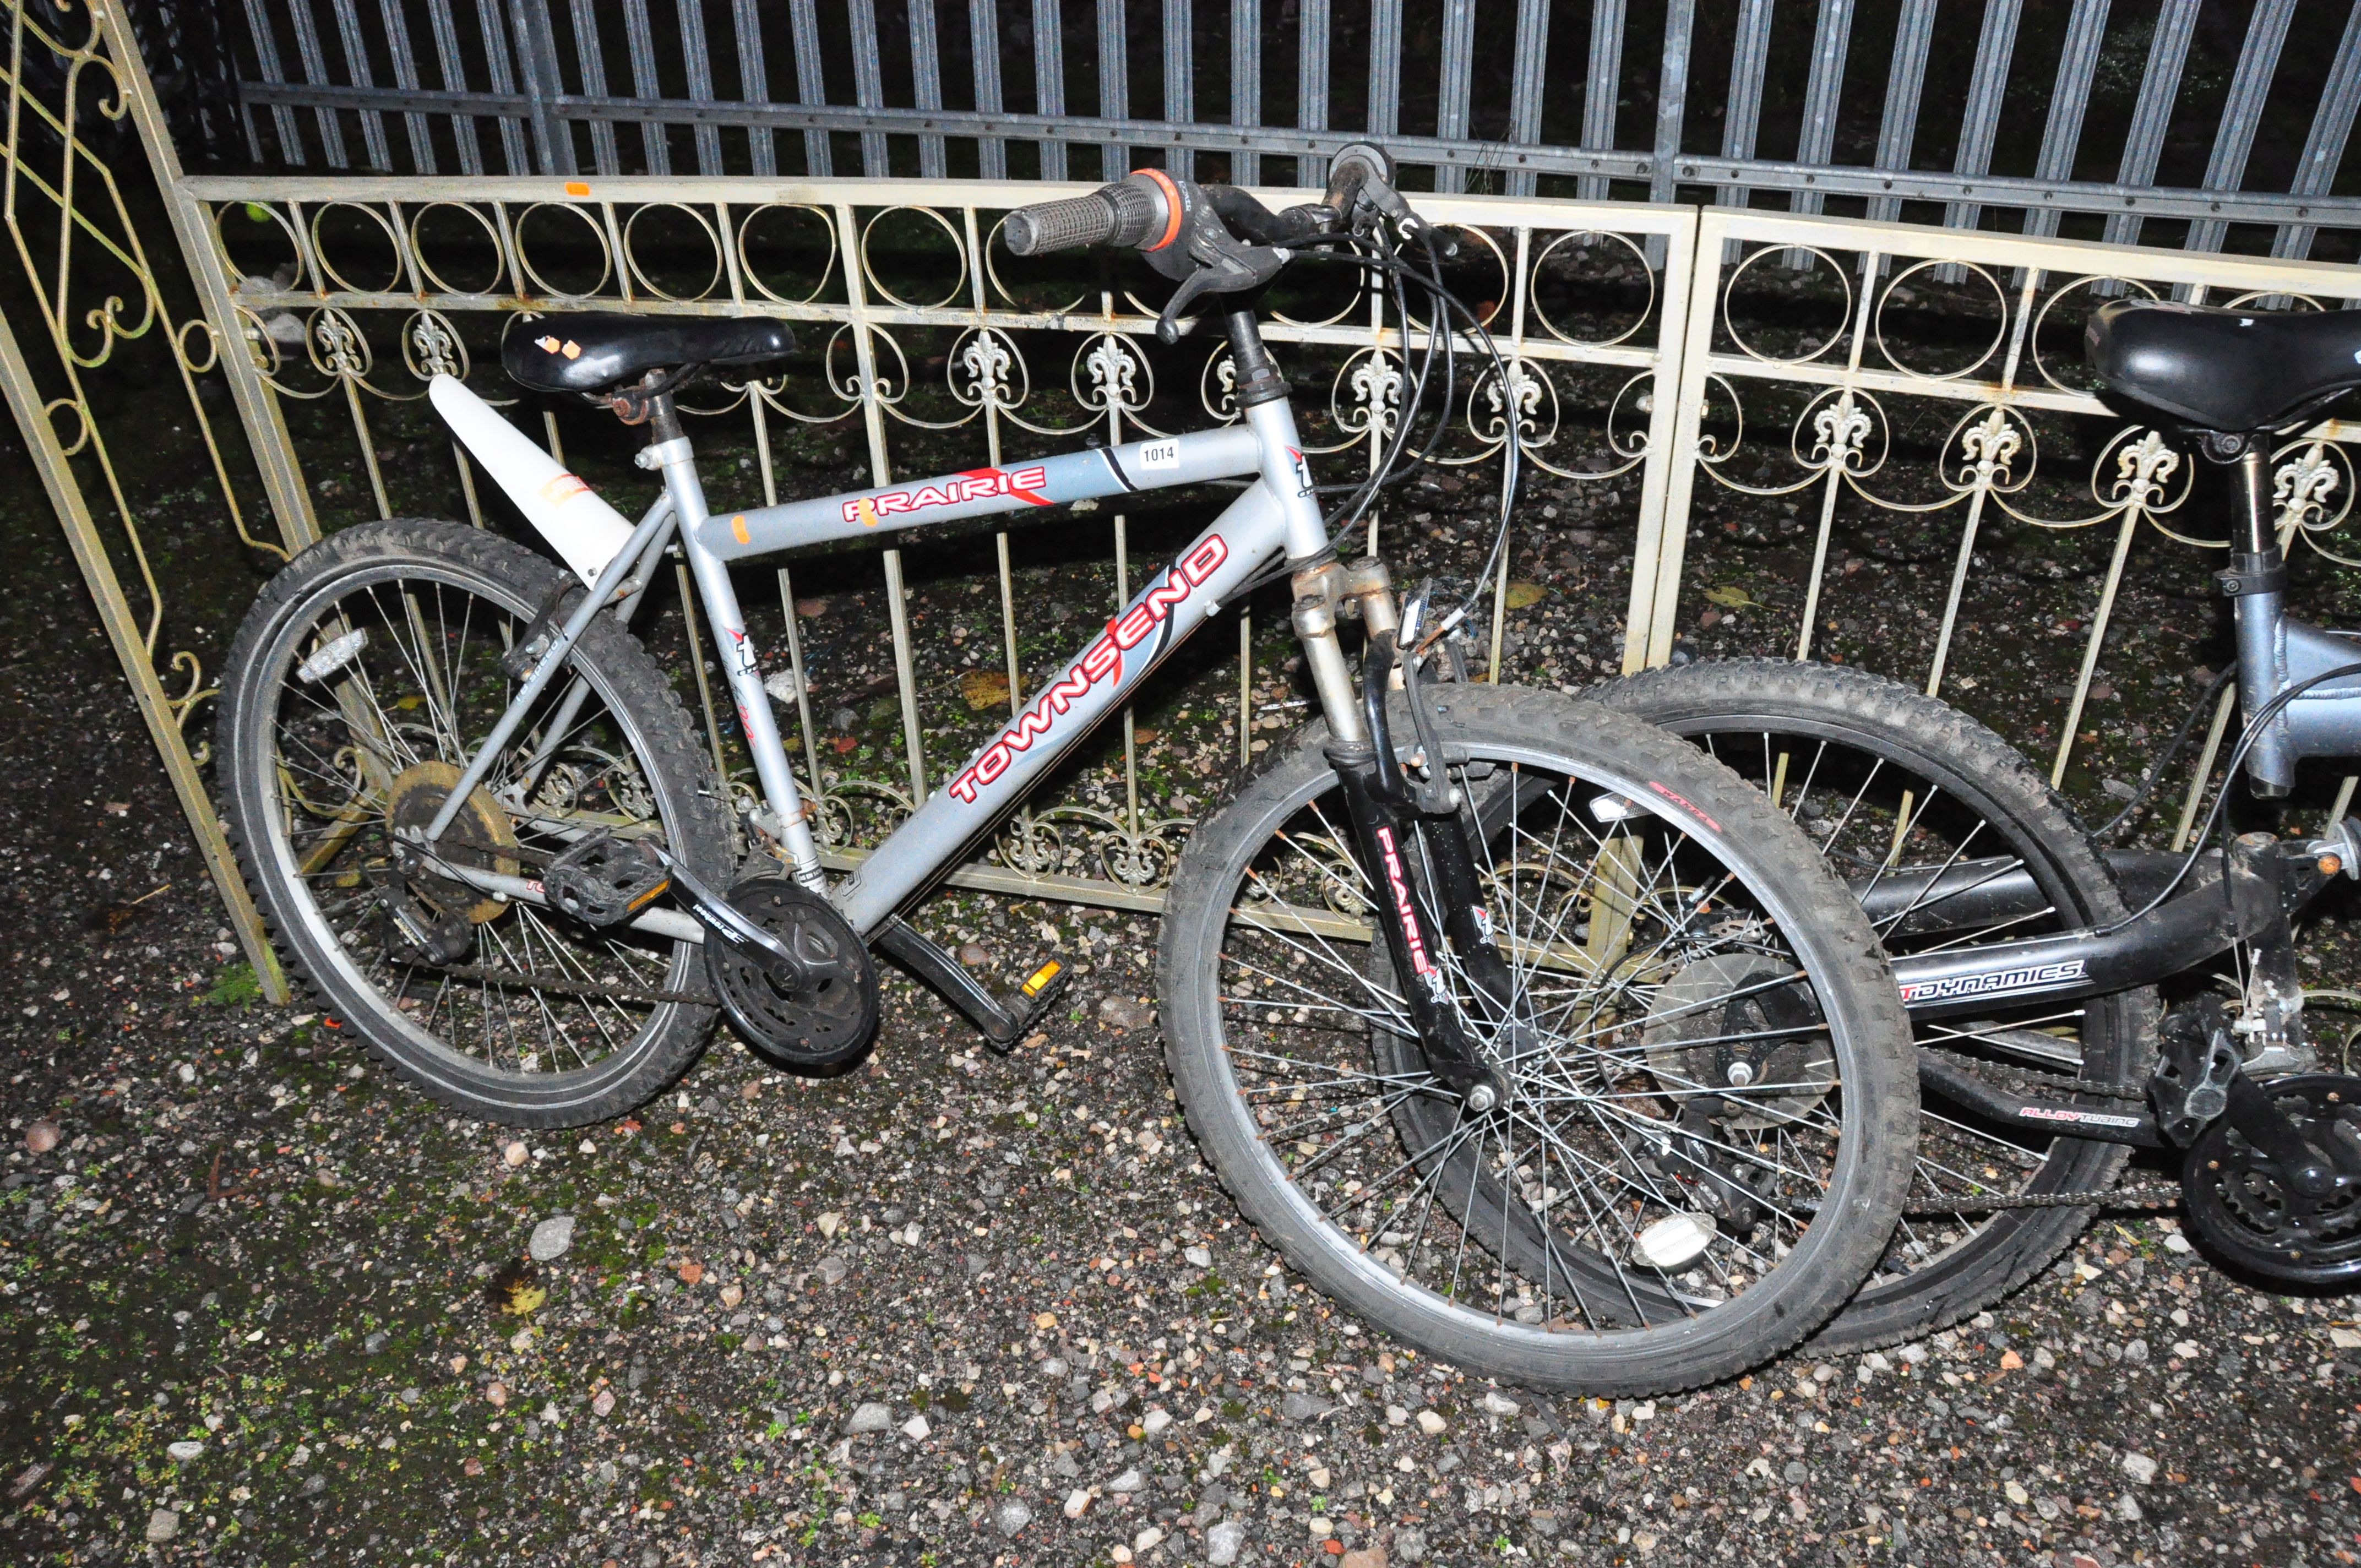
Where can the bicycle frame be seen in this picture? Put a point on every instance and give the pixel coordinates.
(1275, 515)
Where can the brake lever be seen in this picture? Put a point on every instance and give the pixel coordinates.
(1235, 268)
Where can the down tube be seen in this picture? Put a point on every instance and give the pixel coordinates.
(1173, 604)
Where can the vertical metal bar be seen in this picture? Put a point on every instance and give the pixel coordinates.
(1831, 41)
(856, 294)
(2069, 100)
(2242, 113)
(1906, 81)
(1456, 85)
(811, 88)
(536, 46)
(1385, 67)
(1312, 41)
(754, 87)
(357, 66)
(2332, 126)
(2167, 51)
(1692, 283)
(405, 76)
(1987, 83)
(1245, 84)
(1528, 78)
(696, 56)
(692, 610)
(1750, 54)
(655, 137)
(927, 81)
(1672, 99)
(514, 148)
(590, 57)
(266, 58)
(1603, 89)
(1245, 687)
(2124, 537)
(454, 79)
(315, 73)
(984, 51)
(1049, 80)
(1179, 82)
(869, 87)
(1115, 84)
(2223, 708)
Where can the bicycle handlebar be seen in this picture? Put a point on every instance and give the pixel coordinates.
(1127, 212)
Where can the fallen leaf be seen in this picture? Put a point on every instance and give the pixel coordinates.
(1524, 596)
(690, 1273)
(516, 1290)
(2010, 1361)
(1732, 597)
(984, 688)
(842, 743)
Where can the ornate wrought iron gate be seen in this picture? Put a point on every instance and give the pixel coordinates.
(1646, 341)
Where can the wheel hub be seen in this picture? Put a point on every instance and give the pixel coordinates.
(481, 838)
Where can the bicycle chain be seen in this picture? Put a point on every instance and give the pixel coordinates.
(562, 986)
(2114, 1198)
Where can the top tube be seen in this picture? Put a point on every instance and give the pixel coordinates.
(1234, 450)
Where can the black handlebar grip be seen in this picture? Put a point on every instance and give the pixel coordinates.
(1060, 225)
(1124, 213)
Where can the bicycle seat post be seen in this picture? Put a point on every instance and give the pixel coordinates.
(2255, 582)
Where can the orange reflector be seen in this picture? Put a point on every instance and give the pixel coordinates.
(2330, 865)
(1042, 977)
(738, 527)
(576, 188)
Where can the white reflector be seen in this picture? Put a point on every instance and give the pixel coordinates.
(333, 657)
(1674, 1241)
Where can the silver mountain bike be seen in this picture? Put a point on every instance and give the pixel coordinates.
(1523, 1030)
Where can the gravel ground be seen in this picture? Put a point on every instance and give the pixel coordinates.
(259, 1304)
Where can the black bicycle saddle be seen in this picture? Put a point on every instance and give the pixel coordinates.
(597, 350)
(2227, 370)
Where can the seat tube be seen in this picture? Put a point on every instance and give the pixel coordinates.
(728, 624)
(2257, 582)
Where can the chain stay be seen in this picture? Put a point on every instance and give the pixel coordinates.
(562, 986)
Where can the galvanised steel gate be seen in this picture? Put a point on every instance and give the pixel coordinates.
(1573, 99)
(1679, 376)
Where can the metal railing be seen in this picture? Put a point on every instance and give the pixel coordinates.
(337, 290)
(831, 87)
(1916, 380)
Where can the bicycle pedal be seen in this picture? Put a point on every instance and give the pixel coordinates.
(604, 881)
(1040, 993)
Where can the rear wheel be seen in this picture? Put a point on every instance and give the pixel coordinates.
(365, 678)
(1888, 783)
(1639, 1212)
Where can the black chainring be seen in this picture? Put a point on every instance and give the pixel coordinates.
(2240, 1201)
(825, 1019)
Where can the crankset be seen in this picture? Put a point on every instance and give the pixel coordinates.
(814, 1007)
(2275, 1183)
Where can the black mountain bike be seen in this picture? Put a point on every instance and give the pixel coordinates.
(2027, 958)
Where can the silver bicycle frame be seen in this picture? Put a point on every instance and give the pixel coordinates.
(1276, 514)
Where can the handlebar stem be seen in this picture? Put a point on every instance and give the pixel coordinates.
(1258, 378)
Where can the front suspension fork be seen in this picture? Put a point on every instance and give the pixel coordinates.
(1413, 841)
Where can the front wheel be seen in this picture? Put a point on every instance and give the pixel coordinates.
(1710, 1105)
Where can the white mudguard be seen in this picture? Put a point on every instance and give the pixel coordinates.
(584, 531)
